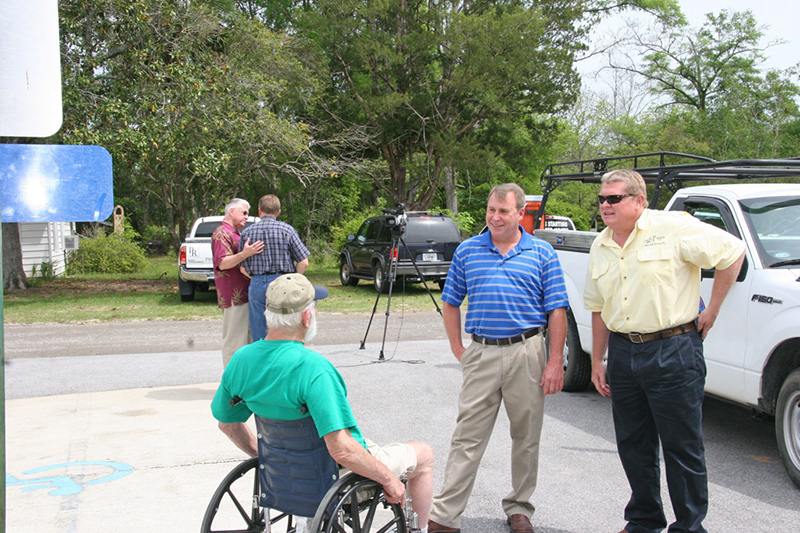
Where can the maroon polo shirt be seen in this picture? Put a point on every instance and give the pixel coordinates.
(231, 284)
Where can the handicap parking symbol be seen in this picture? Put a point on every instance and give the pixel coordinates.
(64, 485)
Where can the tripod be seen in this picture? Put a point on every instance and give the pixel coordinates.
(390, 276)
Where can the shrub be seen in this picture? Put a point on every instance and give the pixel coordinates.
(155, 233)
(322, 254)
(112, 254)
(156, 240)
(46, 271)
(348, 226)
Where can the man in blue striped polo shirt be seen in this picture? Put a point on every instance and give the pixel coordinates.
(515, 287)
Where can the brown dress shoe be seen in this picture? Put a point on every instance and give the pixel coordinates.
(520, 523)
(435, 527)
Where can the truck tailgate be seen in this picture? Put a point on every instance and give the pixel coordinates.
(198, 254)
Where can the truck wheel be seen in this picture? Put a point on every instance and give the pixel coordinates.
(345, 276)
(378, 276)
(577, 363)
(787, 425)
(186, 289)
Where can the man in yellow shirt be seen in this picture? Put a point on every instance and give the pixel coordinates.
(643, 289)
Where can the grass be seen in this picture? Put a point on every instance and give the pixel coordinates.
(152, 294)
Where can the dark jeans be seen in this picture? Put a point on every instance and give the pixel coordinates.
(257, 298)
(657, 393)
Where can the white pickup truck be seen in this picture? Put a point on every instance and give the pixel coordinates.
(195, 262)
(753, 351)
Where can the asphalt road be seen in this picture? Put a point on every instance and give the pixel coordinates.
(413, 394)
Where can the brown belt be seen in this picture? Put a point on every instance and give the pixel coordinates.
(639, 338)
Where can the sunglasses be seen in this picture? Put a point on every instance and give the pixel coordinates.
(612, 198)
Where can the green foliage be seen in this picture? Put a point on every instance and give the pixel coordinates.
(348, 226)
(425, 78)
(696, 68)
(46, 270)
(580, 216)
(155, 233)
(465, 222)
(191, 103)
(103, 253)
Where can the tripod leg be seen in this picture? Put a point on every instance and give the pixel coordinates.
(424, 283)
(392, 275)
(374, 307)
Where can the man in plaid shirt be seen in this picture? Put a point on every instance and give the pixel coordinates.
(283, 253)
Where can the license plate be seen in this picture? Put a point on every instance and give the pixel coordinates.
(429, 256)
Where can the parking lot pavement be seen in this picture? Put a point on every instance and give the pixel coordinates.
(148, 458)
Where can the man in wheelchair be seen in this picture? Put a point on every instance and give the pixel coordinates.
(278, 378)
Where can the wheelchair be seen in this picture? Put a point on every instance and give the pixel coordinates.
(292, 477)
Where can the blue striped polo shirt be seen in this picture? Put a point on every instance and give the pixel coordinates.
(507, 295)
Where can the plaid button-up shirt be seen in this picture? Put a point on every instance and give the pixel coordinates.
(282, 247)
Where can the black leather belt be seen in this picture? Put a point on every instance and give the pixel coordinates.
(509, 341)
(640, 338)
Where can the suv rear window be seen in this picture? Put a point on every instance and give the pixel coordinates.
(438, 229)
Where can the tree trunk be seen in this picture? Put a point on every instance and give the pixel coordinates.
(449, 181)
(13, 274)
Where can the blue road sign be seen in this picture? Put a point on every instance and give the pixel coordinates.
(55, 183)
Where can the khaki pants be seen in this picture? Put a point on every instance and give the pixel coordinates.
(235, 330)
(491, 375)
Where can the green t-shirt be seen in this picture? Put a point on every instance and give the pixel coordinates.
(278, 380)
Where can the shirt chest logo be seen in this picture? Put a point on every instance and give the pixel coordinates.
(655, 240)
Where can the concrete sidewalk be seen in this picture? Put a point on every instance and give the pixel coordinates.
(149, 458)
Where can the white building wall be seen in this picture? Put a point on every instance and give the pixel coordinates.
(44, 242)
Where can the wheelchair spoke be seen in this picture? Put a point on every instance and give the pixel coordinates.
(234, 507)
(373, 506)
(391, 525)
(239, 507)
(355, 518)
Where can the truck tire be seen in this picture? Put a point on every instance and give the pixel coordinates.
(186, 290)
(577, 363)
(345, 275)
(787, 425)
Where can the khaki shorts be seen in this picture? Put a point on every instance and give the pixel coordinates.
(400, 458)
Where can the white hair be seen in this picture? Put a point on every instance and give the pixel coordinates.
(290, 321)
(236, 202)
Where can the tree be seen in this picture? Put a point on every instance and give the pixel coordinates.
(190, 104)
(424, 77)
(696, 67)
(14, 277)
(722, 103)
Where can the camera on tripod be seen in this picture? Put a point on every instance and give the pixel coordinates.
(398, 218)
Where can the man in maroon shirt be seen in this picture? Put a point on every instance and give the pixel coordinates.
(232, 285)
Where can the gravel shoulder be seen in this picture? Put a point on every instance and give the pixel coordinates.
(65, 340)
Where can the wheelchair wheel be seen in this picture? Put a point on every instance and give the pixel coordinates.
(355, 504)
(234, 507)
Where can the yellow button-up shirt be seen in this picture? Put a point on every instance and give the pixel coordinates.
(653, 282)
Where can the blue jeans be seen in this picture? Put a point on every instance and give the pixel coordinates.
(257, 297)
(657, 394)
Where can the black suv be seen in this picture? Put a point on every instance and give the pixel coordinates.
(431, 239)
